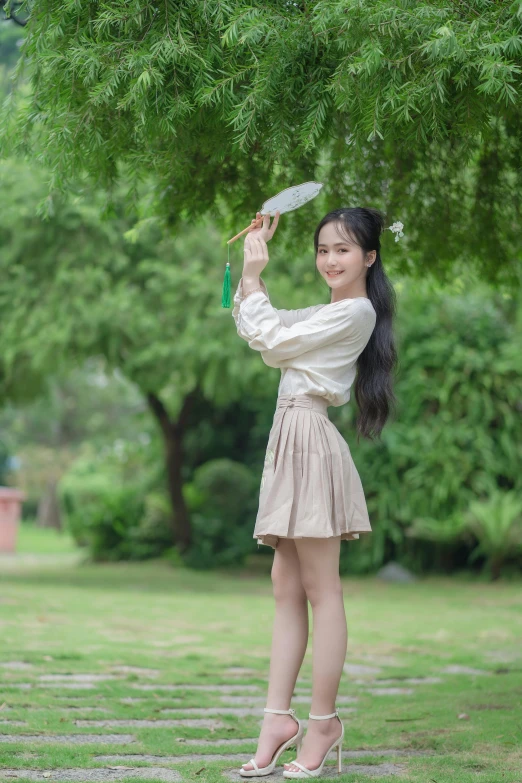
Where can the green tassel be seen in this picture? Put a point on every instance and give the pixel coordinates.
(225, 295)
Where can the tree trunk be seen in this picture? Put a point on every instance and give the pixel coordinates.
(496, 567)
(173, 433)
(48, 514)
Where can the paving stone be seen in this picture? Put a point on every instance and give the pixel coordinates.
(241, 671)
(17, 665)
(76, 677)
(177, 759)
(76, 708)
(192, 687)
(72, 739)
(410, 680)
(83, 709)
(145, 758)
(457, 669)
(330, 770)
(157, 700)
(129, 758)
(13, 722)
(154, 724)
(502, 656)
(261, 700)
(238, 711)
(390, 691)
(140, 670)
(354, 669)
(217, 742)
(97, 775)
(23, 686)
(72, 686)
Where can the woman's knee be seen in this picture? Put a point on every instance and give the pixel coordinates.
(286, 579)
(319, 564)
(319, 589)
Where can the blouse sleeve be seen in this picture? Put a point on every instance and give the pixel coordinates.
(286, 317)
(259, 324)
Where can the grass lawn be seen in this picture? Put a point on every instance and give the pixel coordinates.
(80, 644)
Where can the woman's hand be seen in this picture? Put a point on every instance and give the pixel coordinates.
(256, 251)
(255, 258)
(264, 230)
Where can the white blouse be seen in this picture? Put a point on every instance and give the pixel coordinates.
(316, 348)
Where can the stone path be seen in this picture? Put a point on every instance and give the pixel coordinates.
(390, 691)
(330, 770)
(227, 688)
(232, 699)
(65, 678)
(154, 724)
(71, 739)
(95, 775)
(346, 754)
(16, 665)
(456, 669)
(79, 686)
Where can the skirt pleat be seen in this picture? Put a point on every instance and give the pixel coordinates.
(310, 487)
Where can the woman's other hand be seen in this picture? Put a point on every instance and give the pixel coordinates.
(255, 258)
(265, 230)
(256, 252)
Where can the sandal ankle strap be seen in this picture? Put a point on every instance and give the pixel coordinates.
(324, 717)
(281, 712)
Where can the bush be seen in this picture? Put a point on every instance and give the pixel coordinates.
(114, 517)
(222, 500)
(456, 437)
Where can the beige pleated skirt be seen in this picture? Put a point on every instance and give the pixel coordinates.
(310, 487)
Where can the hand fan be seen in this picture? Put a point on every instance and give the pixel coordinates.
(285, 201)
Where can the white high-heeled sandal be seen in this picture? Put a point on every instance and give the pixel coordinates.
(296, 740)
(303, 772)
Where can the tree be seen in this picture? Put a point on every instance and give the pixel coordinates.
(83, 404)
(74, 286)
(412, 106)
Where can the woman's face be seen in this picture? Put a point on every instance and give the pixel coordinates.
(338, 255)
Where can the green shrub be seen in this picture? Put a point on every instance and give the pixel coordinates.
(114, 517)
(221, 499)
(456, 436)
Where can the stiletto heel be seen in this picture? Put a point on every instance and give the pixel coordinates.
(314, 773)
(296, 740)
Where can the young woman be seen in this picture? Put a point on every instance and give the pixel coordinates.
(311, 497)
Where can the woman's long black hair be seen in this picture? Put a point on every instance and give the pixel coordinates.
(373, 385)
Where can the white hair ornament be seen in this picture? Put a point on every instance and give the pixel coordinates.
(397, 229)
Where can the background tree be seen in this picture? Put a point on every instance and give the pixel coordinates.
(412, 106)
(83, 404)
(75, 286)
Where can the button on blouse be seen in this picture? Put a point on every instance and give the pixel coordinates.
(316, 348)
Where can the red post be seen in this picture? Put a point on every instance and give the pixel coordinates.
(10, 506)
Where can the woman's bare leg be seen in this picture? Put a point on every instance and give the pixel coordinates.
(289, 641)
(319, 559)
